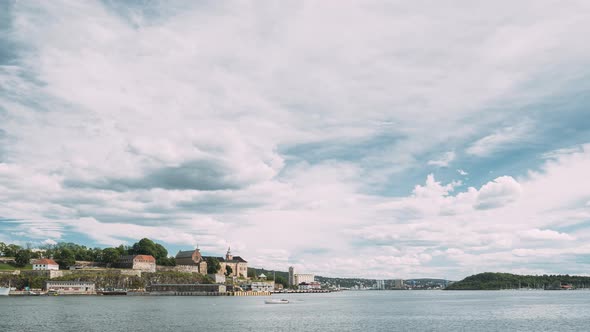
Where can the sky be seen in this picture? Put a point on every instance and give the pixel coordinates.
(377, 139)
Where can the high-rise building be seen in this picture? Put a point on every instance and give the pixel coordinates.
(291, 276)
(380, 284)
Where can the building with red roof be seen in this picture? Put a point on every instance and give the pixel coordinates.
(143, 263)
(45, 264)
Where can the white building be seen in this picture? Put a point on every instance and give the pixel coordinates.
(304, 278)
(263, 286)
(314, 285)
(380, 284)
(45, 264)
(70, 287)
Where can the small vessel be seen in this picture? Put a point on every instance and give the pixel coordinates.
(4, 291)
(277, 301)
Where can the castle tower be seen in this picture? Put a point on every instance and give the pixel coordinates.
(228, 255)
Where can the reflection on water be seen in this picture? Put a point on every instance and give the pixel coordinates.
(346, 311)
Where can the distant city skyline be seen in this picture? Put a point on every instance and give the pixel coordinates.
(354, 139)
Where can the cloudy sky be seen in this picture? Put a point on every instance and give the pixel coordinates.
(346, 138)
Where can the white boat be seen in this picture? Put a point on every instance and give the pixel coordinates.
(4, 291)
(276, 301)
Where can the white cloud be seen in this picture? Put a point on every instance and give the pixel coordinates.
(500, 192)
(446, 159)
(545, 234)
(462, 172)
(49, 242)
(504, 138)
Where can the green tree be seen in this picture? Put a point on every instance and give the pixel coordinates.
(11, 250)
(122, 250)
(3, 249)
(212, 265)
(166, 261)
(65, 258)
(282, 281)
(22, 257)
(160, 252)
(36, 255)
(228, 270)
(110, 255)
(148, 247)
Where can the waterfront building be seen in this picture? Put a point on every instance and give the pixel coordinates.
(70, 287)
(314, 285)
(185, 289)
(45, 264)
(262, 286)
(192, 258)
(143, 263)
(296, 279)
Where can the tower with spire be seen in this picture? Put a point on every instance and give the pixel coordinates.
(228, 255)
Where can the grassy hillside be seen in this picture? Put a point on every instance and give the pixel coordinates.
(9, 267)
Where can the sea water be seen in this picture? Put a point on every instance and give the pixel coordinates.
(342, 311)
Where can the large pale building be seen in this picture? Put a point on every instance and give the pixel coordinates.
(45, 264)
(239, 266)
(70, 287)
(192, 258)
(379, 284)
(143, 263)
(299, 278)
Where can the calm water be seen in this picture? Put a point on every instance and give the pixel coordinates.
(346, 311)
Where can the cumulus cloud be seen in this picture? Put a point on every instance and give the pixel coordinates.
(500, 192)
(462, 172)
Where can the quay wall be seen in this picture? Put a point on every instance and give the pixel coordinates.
(185, 293)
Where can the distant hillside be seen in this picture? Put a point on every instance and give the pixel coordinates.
(284, 276)
(420, 283)
(346, 282)
(497, 281)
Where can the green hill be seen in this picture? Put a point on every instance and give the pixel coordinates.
(497, 281)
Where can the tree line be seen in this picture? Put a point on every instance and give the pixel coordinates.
(66, 253)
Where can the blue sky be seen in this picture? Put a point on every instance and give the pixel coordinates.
(363, 139)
